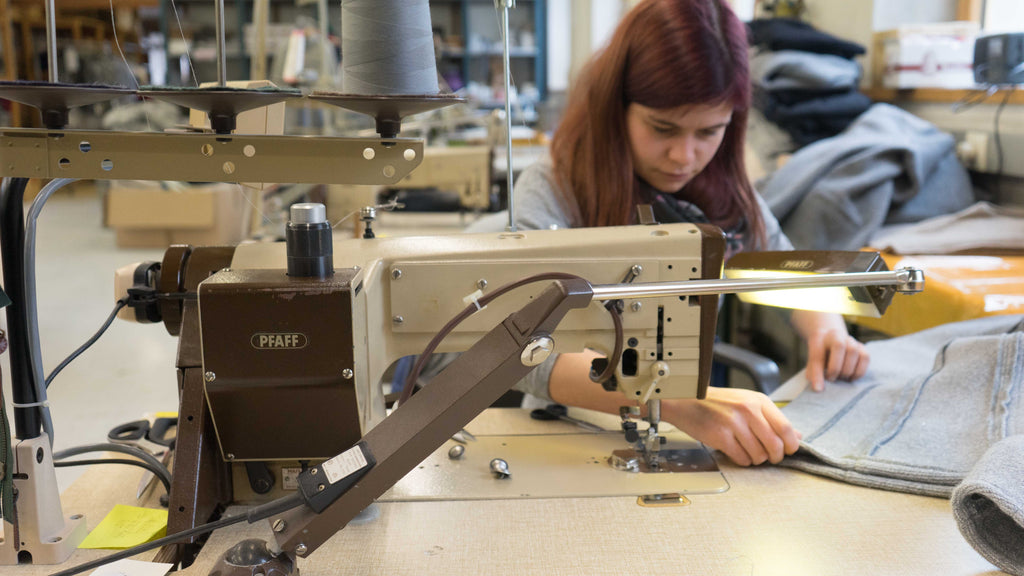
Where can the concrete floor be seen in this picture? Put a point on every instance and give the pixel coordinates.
(130, 370)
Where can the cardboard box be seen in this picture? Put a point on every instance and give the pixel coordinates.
(147, 215)
(938, 55)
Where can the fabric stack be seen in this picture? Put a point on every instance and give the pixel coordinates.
(805, 81)
(888, 167)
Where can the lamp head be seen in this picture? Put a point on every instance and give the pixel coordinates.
(853, 299)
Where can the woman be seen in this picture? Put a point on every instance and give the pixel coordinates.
(658, 117)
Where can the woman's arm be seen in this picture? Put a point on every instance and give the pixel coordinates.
(832, 354)
(743, 424)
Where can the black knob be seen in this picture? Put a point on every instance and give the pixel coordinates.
(310, 245)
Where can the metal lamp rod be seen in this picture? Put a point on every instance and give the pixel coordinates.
(908, 280)
(222, 64)
(507, 62)
(51, 41)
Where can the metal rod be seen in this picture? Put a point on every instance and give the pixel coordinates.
(905, 278)
(222, 63)
(258, 66)
(51, 41)
(507, 62)
(325, 45)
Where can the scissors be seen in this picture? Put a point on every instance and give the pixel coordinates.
(156, 438)
(559, 412)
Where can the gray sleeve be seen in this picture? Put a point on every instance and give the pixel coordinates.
(776, 238)
(535, 383)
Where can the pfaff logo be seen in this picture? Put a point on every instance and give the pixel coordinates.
(281, 341)
(797, 264)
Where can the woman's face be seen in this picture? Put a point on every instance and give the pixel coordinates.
(671, 146)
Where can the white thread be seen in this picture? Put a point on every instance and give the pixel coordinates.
(113, 30)
(241, 191)
(511, 79)
(188, 55)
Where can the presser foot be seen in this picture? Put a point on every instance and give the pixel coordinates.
(666, 460)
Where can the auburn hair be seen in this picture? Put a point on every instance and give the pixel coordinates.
(664, 54)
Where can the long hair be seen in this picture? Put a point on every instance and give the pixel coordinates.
(664, 54)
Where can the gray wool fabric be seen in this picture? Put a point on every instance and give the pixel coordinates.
(989, 505)
(888, 167)
(928, 408)
(798, 70)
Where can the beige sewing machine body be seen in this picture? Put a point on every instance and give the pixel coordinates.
(289, 369)
(283, 346)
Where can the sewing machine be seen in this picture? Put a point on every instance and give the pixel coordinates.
(283, 346)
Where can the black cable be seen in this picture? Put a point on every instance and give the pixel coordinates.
(613, 308)
(468, 311)
(158, 468)
(126, 461)
(110, 319)
(27, 424)
(253, 515)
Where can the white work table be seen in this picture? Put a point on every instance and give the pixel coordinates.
(770, 521)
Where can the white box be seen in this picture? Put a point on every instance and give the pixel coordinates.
(938, 55)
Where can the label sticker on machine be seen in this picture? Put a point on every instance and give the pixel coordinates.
(290, 478)
(344, 464)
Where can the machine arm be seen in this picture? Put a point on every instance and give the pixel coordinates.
(399, 443)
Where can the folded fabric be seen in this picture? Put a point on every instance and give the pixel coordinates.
(815, 118)
(888, 167)
(824, 106)
(793, 69)
(807, 131)
(928, 408)
(790, 34)
(989, 505)
(979, 226)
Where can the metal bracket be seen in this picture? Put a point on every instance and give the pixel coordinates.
(201, 157)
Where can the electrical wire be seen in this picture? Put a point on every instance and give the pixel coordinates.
(126, 461)
(995, 131)
(27, 399)
(974, 98)
(468, 311)
(106, 324)
(158, 468)
(31, 305)
(253, 515)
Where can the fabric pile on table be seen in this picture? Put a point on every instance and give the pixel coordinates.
(888, 167)
(939, 413)
(805, 81)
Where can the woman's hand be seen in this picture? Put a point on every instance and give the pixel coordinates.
(743, 424)
(832, 354)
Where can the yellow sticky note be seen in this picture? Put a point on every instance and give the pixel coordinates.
(127, 526)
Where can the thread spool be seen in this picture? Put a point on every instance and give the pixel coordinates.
(387, 47)
(309, 244)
